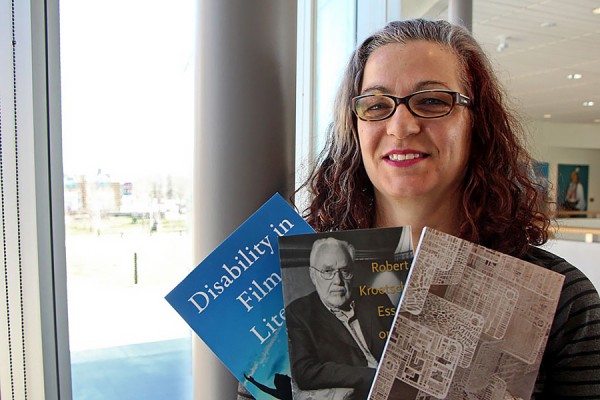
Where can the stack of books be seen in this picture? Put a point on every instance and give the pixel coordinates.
(371, 319)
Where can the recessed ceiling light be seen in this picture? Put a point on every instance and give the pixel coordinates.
(502, 42)
(547, 115)
(596, 11)
(548, 24)
(574, 76)
(588, 103)
(597, 120)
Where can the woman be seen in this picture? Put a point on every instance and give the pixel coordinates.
(421, 136)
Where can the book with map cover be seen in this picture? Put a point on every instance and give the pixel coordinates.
(233, 300)
(472, 324)
(340, 293)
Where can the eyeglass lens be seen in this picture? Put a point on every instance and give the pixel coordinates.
(330, 273)
(425, 104)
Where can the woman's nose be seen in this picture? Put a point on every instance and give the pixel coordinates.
(403, 123)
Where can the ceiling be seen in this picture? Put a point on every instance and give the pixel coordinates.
(546, 40)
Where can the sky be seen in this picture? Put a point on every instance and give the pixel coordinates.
(127, 87)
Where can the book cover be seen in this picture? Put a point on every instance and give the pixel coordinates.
(473, 324)
(340, 293)
(233, 300)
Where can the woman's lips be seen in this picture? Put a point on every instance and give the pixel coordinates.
(404, 157)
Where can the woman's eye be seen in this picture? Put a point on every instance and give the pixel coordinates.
(378, 106)
(432, 101)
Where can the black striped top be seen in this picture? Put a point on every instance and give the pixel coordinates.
(571, 363)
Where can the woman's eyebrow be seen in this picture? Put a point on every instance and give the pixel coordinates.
(376, 89)
(419, 86)
(428, 84)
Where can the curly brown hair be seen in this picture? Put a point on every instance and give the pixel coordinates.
(502, 205)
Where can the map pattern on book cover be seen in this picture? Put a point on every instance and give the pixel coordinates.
(233, 300)
(473, 324)
(326, 346)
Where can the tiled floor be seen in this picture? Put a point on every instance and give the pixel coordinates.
(149, 371)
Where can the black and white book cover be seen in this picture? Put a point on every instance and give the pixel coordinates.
(472, 324)
(340, 293)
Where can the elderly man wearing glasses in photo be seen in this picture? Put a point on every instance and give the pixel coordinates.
(335, 332)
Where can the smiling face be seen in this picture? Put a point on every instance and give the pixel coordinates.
(407, 157)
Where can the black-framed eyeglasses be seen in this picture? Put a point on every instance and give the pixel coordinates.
(434, 103)
(328, 274)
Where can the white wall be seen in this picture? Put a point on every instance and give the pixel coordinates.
(561, 143)
(585, 256)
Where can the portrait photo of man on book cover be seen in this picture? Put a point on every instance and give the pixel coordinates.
(340, 291)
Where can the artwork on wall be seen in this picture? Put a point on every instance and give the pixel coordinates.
(541, 171)
(572, 187)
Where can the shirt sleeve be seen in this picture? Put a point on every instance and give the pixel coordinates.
(571, 362)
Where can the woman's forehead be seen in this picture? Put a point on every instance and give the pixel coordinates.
(412, 66)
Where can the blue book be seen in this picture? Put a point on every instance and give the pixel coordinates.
(233, 300)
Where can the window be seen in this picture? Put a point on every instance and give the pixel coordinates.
(323, 52)
(127, 112)
(335, 43)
